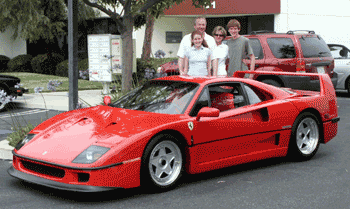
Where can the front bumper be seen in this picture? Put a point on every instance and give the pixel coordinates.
(54, 184)
(89, 179)
(17, 91)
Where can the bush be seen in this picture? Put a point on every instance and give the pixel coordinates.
(151, 65)
(62, 68)
(83, 64)
(19, 133)
(3, 63)
(46, 63)
(141, 65)
(20, 63)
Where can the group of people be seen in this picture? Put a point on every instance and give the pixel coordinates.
(203, 55)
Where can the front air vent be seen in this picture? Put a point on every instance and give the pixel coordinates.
(111, 124)
(83, 177)
(43, 169)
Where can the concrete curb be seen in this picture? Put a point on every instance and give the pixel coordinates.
(5, 150)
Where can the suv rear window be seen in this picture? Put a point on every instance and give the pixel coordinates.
(314, 47)
(282, 48)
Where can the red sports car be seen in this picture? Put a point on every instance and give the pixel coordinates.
(176, 125)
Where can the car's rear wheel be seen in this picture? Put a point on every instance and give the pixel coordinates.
(271, 82)
(162, 163)
(305, 137)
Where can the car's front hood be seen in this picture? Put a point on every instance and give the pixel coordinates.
(67, 136)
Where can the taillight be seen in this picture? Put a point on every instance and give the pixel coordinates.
(300, 68)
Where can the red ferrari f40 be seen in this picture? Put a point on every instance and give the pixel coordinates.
(175, 125)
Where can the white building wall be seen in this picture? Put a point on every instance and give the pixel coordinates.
(329, 19)
(10, 47)
(161, 25)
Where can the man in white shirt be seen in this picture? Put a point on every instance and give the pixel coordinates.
(200, 24)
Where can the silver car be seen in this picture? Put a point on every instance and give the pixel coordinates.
(342, 65)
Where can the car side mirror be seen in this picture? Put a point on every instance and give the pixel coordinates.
(107, 100)
(208, 112)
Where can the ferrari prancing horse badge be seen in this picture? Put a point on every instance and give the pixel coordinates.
(190, 125)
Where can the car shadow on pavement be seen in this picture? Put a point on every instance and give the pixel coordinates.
(76, 197)
(12, 106)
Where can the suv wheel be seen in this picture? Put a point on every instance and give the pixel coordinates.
(347, 85)
(271, 82)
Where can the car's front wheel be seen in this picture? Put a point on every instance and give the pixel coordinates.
(305, 137)
(162, 163)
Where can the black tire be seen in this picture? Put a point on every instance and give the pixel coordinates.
(347, 85)
(162, 164)
(271, 82)
(305, 137)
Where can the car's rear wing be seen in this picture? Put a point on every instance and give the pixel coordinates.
(323, 80)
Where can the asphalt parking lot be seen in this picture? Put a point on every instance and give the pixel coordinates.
(322, 182)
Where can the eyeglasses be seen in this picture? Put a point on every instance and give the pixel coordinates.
(219, 35)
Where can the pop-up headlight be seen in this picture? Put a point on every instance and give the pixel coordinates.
(24, 141)
(91, 154)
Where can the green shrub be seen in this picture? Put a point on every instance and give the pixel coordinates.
(62, 68)
(46, 63)
(3, 63)
(152, 63)
(141, 65)
(20, 63)
(83, 64)
(18, 134)
(36, 61)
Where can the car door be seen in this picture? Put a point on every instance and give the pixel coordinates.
(246, 128)
(342, 63)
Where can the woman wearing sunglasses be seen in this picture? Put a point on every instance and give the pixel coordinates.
(220, 53)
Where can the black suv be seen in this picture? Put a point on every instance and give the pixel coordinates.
(294, 51)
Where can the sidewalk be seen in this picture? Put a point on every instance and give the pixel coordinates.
(54, 101)
(58, 100)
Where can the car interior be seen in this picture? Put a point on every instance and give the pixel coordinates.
(221, 96)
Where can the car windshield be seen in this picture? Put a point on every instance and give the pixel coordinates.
(159, 96)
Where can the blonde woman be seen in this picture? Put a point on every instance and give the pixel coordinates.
(220, 53)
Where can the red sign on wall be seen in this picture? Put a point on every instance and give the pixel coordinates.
(229, 7)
